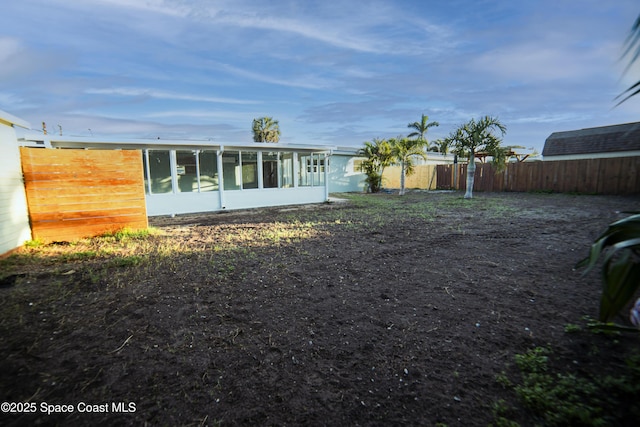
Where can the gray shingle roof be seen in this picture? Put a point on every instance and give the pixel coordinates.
(604, 139)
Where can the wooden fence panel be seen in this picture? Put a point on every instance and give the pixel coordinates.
(444, 177)
(81, 193)
(424, 177)
(618, 175)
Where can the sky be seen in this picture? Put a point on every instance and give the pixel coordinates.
(335, 72)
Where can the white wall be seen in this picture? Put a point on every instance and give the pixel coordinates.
(343, 176)
(14, 214)
(593, 156)
(184, 203)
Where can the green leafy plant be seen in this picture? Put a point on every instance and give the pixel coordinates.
(632, 52)
(619, 246)
(572, 327)
(404, 151)
(569, 398)
(478, 136)
(378, 156)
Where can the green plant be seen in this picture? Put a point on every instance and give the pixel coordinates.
(265, 129)
(632, 44)
(378, 157)
(501, 410)
(478, 136)
(128, 233)
(404, 150)
(35, 243)
(126, 261)
(571, 328)
(503, 379)
(619, 246)
(565, 398)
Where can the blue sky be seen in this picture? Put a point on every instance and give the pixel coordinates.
(332, 72)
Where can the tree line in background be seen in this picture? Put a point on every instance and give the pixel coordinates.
(476, 136)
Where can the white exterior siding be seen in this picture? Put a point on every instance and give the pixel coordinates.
(594, 156)
(14, 214)
(344, 176)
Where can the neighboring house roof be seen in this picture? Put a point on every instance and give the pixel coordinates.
(605, 139)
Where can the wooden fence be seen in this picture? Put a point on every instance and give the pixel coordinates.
(423, 177)
(81, 193)
(620, 175)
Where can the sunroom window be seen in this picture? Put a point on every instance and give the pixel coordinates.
(286, 169)
(159, 169)
(231, 172)
(187, 171)
(208, 171)
(249, 169)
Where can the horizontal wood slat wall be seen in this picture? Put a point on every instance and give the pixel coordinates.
(620, 175)
(82, 193)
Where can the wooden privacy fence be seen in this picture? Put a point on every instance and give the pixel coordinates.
(423, 177)
(81, 193)
(619, 175)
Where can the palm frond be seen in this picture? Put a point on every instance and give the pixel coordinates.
(632, 48)
(619, 247)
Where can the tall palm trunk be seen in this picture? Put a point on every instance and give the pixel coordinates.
(471, 170)
(402, 174)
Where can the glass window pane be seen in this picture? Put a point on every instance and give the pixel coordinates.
(270, 170)
(319, 161)
(231, 173)
(249, 169)
(208, 171)
(304, 170)
(286, 169)
(187, 171)
(144, 171)
(160, 171)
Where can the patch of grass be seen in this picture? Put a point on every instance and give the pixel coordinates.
(126, 261)
(36, 243)
(129, 234)
(565, 398)
(572, 328)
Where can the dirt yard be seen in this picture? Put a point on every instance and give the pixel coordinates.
(381, 310)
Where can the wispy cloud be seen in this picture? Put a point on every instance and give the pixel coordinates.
(160, 94)
(308, 81)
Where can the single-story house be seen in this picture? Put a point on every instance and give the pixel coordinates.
(189, 176)
(600, 142)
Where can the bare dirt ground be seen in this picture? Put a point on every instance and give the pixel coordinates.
(378, 311)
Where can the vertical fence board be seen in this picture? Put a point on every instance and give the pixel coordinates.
(73, 194)
(618, 175)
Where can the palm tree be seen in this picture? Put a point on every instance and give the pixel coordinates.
(421, 129)
(378, 157)
(265, 129)
(404, 150)
(633, 49)
(475, 136)
(441, 145)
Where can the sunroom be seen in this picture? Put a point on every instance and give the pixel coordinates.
(186, 176)
(201, 179)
